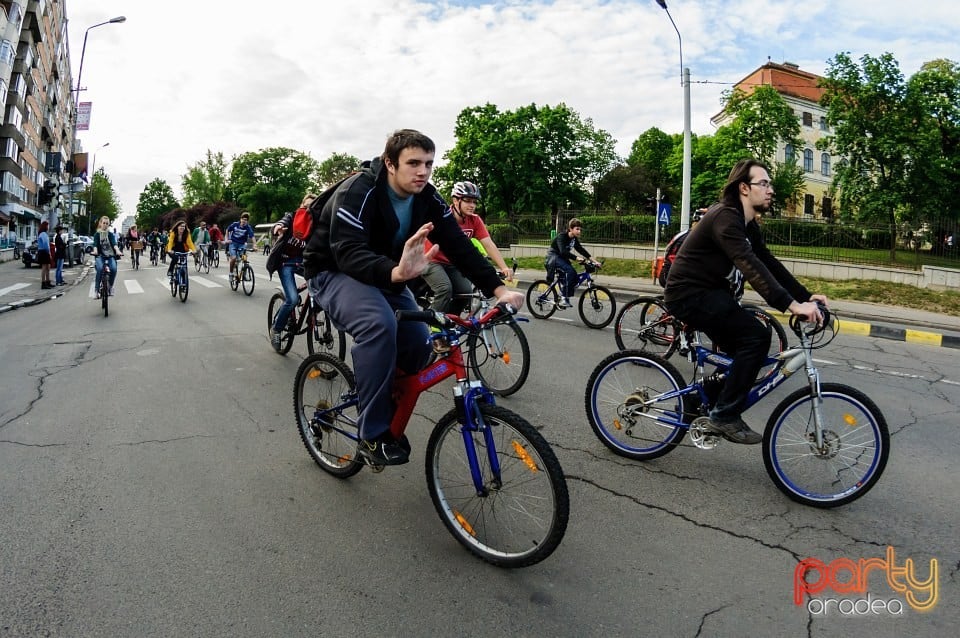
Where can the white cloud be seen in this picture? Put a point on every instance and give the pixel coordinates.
(180, 77)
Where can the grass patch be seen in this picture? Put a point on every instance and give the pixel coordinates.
(880, 292)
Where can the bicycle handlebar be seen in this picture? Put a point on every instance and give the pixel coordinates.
(797, 322)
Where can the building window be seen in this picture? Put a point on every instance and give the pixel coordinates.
(7, 53)
(808, 205)
(825, 163)
(788, 154)
(8, 148)
(807, 118)
(807, 160)
(827, 207)
(823, 123)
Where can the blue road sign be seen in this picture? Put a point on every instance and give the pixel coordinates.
(663, 213)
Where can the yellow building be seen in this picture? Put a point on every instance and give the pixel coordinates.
(800, 91)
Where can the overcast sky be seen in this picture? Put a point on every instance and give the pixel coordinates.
(183, 76)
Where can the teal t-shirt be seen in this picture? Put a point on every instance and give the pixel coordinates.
(403, 207)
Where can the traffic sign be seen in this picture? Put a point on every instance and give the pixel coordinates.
(663, 213)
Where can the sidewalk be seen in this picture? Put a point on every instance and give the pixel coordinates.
(868, 319)
(20, 287)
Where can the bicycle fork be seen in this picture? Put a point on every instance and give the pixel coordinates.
(471, 420)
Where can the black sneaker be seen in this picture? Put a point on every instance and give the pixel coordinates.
(736, 431)
(384, 451)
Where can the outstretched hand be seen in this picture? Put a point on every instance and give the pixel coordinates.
(414, 260)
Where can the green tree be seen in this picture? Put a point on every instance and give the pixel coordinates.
(100, 199)
(762, 120)
(532, 159)
(651, 152)
(874, 130)
(335, 168)
(271, 181)
(156, 199)
(206, 181)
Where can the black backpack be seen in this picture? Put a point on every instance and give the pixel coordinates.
(669, 255)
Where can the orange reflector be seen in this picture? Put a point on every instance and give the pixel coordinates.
(849, 419)
(524, 456)
(506, 357)
(617, 425)
(345, 458)
(314, 373)
(464, 524)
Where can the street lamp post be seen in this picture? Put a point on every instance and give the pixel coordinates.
(685, 82)
(93, 172)
(76, 106)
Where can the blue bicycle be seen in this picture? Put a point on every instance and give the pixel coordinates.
(179, 283)
(597, 305)
(824, 445)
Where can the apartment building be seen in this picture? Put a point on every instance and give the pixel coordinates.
(36, 130)
(799, 89)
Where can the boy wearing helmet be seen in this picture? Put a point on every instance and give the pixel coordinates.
(441, 275)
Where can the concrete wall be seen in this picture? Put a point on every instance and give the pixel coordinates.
(934, 277)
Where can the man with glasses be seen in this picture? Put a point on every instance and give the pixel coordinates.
(706, 281)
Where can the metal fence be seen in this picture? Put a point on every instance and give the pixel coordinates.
(904, 246)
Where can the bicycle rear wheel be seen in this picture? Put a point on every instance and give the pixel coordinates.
(289, 331)
(323, 337)
(626, 407)
(856, 444)
(246, 273)
(597, 307)
(542, 299)
(500, 357)
(521, 514)
(328, 429)
(644, 324)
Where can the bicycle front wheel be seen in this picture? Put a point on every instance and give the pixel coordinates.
(519, 515)
(500, 357)
(644, 324)
(286, 337)
(322, 386)
(248, 280)
(633, 404)
(184, 289)
(323, 337)
(597, 307)
(852, 456)
(197, 262)
(174, 285)
(104, 295)
(542, 299)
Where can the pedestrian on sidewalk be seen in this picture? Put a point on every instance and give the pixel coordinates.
(60, 252)
(43, 256)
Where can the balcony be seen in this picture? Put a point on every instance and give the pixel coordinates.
(11, 166)
(31, 23)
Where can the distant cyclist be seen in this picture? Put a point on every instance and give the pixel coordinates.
(559, 256)
(238, 234)
(179, 241)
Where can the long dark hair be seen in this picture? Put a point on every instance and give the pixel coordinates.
(740, 174)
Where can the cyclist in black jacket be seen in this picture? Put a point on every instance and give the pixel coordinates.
(706, 280)
(559, 258)
(367, 243)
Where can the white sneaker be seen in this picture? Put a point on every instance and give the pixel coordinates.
(111, 291)
(564, 303)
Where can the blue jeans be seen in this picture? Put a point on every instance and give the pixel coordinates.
(567, 274)
(381, 344)
(113, 270)
(59, 275)
(290, 295)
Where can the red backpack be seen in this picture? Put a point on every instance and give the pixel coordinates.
(302, 224)
(669, 255)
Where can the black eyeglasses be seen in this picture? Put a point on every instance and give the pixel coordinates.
(762, 184)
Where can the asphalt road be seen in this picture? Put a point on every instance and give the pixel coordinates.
(153, 484)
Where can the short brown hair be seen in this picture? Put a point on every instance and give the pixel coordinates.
(405, 138)
(244, 215)
(574, 223)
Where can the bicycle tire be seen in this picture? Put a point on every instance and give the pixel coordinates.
(857, 446)
(184, 290)
(216, 259)
(234, 280)
(174, 282)
(542, 299)
(597, 307)
(644, 324)
(629, 378)
(500, 371)
(246, 274)
(197, 262)
(206, 265)
(323, 337)
(287, 336)
(105, 295)
(322, 382)
(521, 516)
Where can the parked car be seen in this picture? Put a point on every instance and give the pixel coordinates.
(75, 248)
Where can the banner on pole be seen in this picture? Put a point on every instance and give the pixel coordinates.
(83, 116)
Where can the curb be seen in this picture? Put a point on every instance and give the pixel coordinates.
(23, 303)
